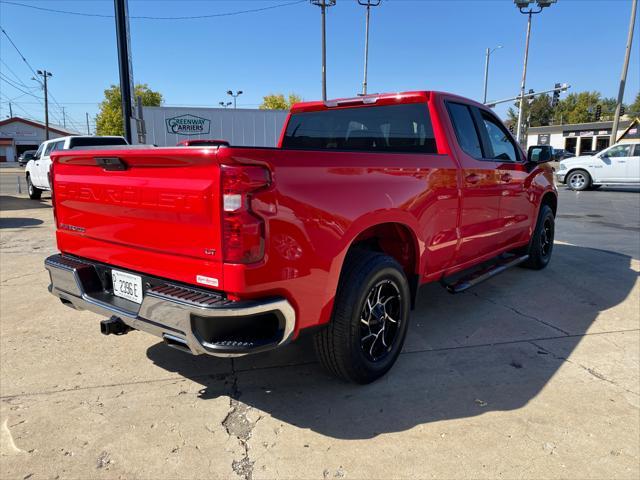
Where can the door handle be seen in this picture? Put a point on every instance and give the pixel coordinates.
(505, 177)
(472, 178)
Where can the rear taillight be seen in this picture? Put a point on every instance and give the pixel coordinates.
(243, 231)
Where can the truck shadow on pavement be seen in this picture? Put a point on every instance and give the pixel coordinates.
(493, 348)
(8, 202)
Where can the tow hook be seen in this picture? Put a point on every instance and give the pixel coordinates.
(114, 326)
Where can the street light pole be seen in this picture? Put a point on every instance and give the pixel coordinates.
(623, 77)
(324, 4)
(523, 6)
(45, 75)
(486, 71)
(524, 79)
(235, 96)
(368, 4)
(124, 61)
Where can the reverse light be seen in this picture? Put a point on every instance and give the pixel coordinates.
(243, 231)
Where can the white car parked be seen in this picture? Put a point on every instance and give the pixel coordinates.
(616, 165)
(37, 169)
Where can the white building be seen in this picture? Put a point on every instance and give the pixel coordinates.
(580, 138)
(19, 134)
(166, 126)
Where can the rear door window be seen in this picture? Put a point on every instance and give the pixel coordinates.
(392, 128)
(636, 151)
(465, 129)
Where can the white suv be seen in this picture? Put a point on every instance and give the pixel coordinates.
(616, 165)
(37, 169)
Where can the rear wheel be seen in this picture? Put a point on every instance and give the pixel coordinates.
(34, 192)
(541, 245)
(370, 319)
(579, 180)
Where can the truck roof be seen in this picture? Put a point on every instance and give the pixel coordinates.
(373, 99)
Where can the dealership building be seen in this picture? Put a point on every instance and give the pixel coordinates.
(581, 138)
(166, 126)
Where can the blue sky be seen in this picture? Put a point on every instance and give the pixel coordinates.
(418, 44)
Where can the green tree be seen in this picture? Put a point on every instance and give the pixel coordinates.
(538, 113)
(578, 107)
(634, 108)
(278, 102)
(109, 118)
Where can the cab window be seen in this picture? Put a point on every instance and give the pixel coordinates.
(618, 151)
(48, 148)
(501, 145)
(38, 153)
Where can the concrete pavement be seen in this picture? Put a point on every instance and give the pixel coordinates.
(529, 375)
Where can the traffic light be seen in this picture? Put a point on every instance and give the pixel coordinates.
(556, 95)
(511, 128)
(530, 98)
(621, 110)
(598, 112)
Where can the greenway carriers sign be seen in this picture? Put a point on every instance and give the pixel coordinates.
(188, 125)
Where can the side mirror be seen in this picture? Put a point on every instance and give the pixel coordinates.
(28, 156)
(540, 154)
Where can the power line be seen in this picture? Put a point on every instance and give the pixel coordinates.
(19, 52)
(17, 78)
(9, 82)
(145, 17)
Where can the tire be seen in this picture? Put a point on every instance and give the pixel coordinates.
(34, 192)
(579, 180)
(351, 348)
(541, 245)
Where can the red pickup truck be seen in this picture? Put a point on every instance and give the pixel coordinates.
(233, 250)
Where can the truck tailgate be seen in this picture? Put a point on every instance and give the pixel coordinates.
(155, 211)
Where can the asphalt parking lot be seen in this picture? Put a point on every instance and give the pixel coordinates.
(529, 375)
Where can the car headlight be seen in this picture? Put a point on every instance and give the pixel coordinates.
(562, 167)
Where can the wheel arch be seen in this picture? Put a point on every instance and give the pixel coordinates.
(395, 239)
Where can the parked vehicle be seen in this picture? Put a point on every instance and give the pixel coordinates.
(236, 250)
(25, 157)
(561, 154)
(37, 170)
(203, 143)
(616, 165)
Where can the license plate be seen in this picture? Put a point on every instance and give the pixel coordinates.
(127, 286)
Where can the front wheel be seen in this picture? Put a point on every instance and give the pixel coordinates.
(579, 180)
(34, 192)
(541, 244)
(370, 318)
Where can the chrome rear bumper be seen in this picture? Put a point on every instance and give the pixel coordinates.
(190, 319)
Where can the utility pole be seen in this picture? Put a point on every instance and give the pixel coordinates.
(124, 62)
(45, 75)
(87, 116)
(368, 4)
(64, 119)
(324, 4)
(623, 77)
(235, 96)
(486, 71)
(522, 6)
(10, 111)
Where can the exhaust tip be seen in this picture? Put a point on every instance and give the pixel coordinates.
(113, 326)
